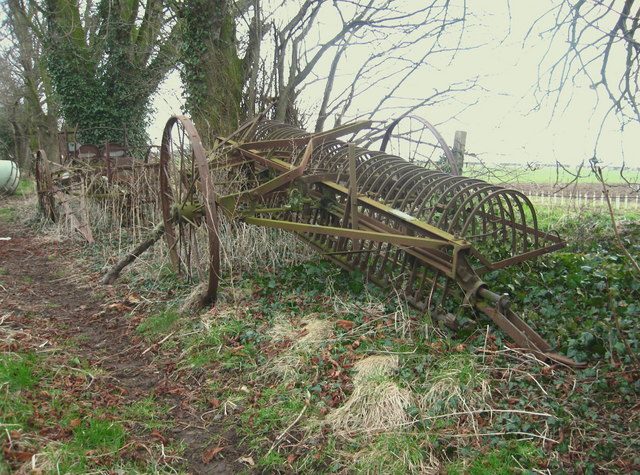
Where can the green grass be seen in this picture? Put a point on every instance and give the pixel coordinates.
(582, 299)
(96, 433)
(92, 437)
(18, 371)
(8, 213)
(517, 456)
(546, 174)
(159, 324)
(397, 454)
(149, 411)
(578, 223)
(47, 396)
(26, 186)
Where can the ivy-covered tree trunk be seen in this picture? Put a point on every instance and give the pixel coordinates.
(106, 63)
(35, 112)
(212, 73)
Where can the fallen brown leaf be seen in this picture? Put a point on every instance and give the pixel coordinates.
(18, 455)
(209, 454)
(74, 423)
(158, 437)
(345, 324)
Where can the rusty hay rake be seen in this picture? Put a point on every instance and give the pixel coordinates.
(116, 175)
(427, 234)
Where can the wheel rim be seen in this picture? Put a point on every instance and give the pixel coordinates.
(188, 206)
(416, 140)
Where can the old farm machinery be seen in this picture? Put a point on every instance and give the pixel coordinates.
(113, 173)
(427, 234)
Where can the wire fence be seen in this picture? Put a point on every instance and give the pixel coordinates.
(593, 200)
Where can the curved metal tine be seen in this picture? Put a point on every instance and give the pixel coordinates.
(381, 167)
(396, 177)
(423, 201)
(464, 206)
(404, 193)
(504, 220)
(534, 218)
(417, 206)
(337, 158)
(424, 178)
(366, 167)
(324, 153)
(440, 192)
(458, 192)
(362, 157)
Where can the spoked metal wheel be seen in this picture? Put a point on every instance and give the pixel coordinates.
(416, 140)
(188, 206)
(44, 186)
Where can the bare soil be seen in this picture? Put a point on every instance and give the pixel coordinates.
(48, 294)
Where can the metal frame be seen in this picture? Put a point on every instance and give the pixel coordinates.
(421, 232)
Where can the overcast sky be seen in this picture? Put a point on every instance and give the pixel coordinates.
(504, 125)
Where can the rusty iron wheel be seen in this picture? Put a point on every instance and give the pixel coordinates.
(187, 200)
(417, 141)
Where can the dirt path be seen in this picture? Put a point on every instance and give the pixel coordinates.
(47, 294)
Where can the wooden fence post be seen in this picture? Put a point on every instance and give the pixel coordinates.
(459, 143)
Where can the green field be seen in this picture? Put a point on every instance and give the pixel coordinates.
(536, 173)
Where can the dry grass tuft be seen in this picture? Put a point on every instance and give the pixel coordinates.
(397, 452)
(457, 383)
(220, 313)
(249, 247)
(376, 403)
(305, 341)
(281, 329)
(194, 301)
(316, 331)
(374, 367)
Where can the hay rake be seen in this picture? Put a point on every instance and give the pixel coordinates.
(113, 174)
(427, 234)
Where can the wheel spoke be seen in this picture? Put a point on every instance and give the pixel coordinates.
(188, 207)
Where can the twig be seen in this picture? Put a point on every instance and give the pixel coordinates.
(484, 347)
(598, 172)
(84, 372)
(158, 343)
(284, 432)
(452, 414)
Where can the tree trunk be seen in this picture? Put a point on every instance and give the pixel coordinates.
(213, 75)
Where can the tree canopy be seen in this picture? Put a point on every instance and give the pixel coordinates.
(601, 45)
(104, 59)
(97, 63)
